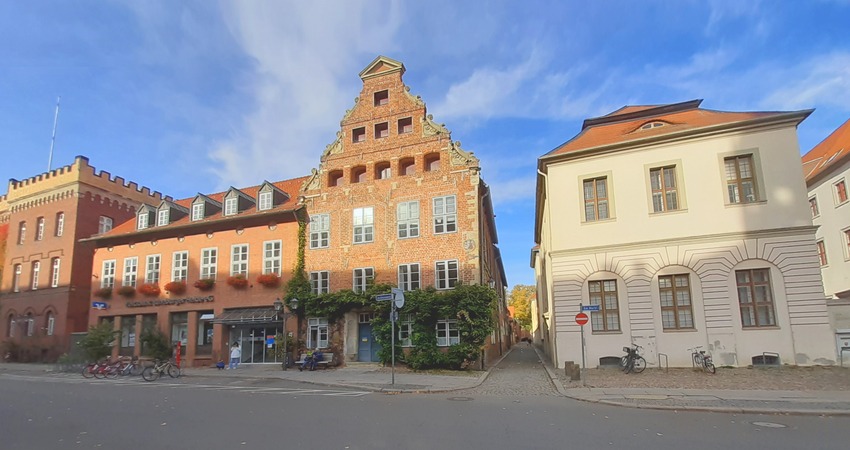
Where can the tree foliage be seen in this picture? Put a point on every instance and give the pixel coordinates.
(97, 344)
(155, 344)
(520, 298)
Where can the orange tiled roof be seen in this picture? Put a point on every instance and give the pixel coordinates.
(624, 124)
(291, 187)
(831, 150)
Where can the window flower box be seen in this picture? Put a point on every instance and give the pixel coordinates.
(149, 289)
(269, 280)
(175, 287)
(127, 291)
(205, 284)
(103, 293)
(238, 281)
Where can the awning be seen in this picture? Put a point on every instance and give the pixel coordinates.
(206, 317)
(247, 315)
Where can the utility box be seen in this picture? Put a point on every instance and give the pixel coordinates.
(842, 344)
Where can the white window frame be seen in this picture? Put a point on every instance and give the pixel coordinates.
(60, 223)
(231, 206)
(180, 266)
(22, 232)
(320, 282)
(320, 326)
(142, 221)
(12, 325)
(838, 201)
(442, 274)
(197, 211)
(407, 219)
(360, 278)
(363, 220)
(104, 224)
(409, 276)
(36, 269)
(16, 278)
(131, 271)
(272, 251)
(107, 274)
(265, 201)
(30, 325)
(239, 259)
(320, 230)
(153, 267)
(39, 229)
(54, 275)
(51, 324)
(209, 263)
(451, 332)
(445, 214)
(162, 217)
(405, 330)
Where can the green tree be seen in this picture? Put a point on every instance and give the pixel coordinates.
(156, 344)
(520, 298)
(99, 341)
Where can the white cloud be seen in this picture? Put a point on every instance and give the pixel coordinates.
(820, 80)
(512, 190)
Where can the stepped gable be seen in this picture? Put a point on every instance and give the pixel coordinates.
(647, 122)
(831, 152)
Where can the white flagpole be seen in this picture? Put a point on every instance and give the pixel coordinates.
(53, 138)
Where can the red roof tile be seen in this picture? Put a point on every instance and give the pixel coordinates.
(833, 149)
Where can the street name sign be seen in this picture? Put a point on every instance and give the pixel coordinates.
(591, 308)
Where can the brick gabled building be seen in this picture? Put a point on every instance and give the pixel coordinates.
(46, 270)
(397, 200)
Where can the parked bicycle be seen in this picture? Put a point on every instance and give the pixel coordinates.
(702, 359)
(90, 370)
(151, 373)
(632, 361)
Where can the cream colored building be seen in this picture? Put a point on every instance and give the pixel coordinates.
(827, 170)
(689, 227)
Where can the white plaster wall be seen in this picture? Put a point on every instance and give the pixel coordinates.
(834, 218)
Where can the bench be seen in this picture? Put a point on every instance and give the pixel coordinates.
(327, 360)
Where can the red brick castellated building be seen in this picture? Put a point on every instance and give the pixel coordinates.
(46, 278)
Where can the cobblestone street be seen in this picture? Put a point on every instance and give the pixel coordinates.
(520, 373)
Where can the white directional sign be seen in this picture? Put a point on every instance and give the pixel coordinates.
(383, 297)
(398, 296)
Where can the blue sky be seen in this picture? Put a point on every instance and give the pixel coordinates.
(195, 96)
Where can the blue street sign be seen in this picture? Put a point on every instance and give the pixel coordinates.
(383, 297)
(99, 305)
(591, 308)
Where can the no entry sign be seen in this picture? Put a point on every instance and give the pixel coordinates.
(581, 318)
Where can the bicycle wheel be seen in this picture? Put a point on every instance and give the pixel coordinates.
(697, 360)
(709, 367)
(630, 364)
(639, 364)
(134, 370)
(88, 371)
(174, 371)
(150, 373)
(111, 372)
(100, 372)
(623, 361)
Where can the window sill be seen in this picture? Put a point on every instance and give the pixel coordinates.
(738, 205)
(680, 330)
(669, 212)
(603, 333)
(772, 327)
(842, 203)
(591, 222)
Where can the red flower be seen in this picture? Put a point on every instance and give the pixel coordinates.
(176, 287)
(205, 284)
(269, 280)
(238, 281)
(103, 293)
(149, 289)
(127, 291)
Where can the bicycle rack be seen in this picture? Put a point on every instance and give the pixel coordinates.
(666, 362)
(764, 356)
(841, 355)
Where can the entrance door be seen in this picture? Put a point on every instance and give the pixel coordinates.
(257, 344)
(368, 348)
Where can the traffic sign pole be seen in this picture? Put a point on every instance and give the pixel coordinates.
(581, 319)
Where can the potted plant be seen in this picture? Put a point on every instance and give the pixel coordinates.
(127, 291)
(269, 280)
(175, 287)
(205, 284)
(103, 293)
(238, 281)
(149, 289)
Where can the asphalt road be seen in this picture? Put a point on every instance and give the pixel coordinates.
(67, 412)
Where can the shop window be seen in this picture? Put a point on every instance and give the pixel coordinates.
(128, 335)
(180, 329)
(203, 345)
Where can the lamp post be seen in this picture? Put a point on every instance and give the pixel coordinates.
(281, 312)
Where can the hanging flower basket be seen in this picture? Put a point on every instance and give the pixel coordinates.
(103, 293)
(205, 284)
(149, 289)
(175, 287)
(238, 281)
(127, 291)
(269, 280)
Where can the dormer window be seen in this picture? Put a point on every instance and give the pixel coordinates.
(651, 125)
(162, 218)
(265, 201)
(143, 221)
(231, 206)
(197, 211)
(382, 98)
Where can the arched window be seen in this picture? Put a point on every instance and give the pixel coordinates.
(10, 326)
(406, 166)
(382, 170)
(358, 174)
(335, 178)
(432, 162)
(50, 323)
(30, 325)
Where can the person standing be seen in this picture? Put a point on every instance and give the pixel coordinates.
(235, 356)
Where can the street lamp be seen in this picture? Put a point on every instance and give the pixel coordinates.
(281, 312)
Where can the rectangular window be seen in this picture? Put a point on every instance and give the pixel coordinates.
(209, 263)
(107, 274)
(320, 282)
(813, 205)
(405, 330)
(265, 201)
(39, 229)
(320, 227)
(665, 196)
(604, 294)
(822, 253)
(239, 260)
(206, 327)
(676, 310)
(382, 130)
(847, 243)
(54, 275)
(16, 280)
(51, 324)
(382, 97)
(408, 277)
(180, 266)
(405, 125)
(595, 199)
(446, 274)
(358, 134)
(197, 212)
(407, 218)
(447, 333)
(231, 206)
(104, 225)
(740, 179)
(36, 268)
(30, 326)
(755, 298)
(271, 257)
(152, 269)
(317, 335)
(361, 278)
(840, 192)
(60, 223)
(22, 233)
(445, 214)
(363, 225)
(131, 268)
(162, 218)
(143, 221)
